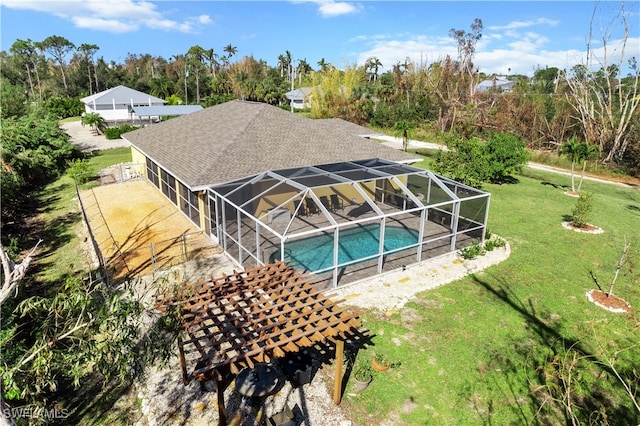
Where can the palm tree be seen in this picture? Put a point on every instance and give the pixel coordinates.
(578, 152)
(231, 50)
(404, 128)
(323, 64)
(160, 87)
(96, 121)
(196, 54)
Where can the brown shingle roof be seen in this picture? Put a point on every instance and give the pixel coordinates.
(239, 138)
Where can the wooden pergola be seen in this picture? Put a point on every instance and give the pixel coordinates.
(252, 317)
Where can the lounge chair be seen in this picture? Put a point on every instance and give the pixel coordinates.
(299, 207)
(312, 208)
(360, 210)
(325, 202)
(336, 203)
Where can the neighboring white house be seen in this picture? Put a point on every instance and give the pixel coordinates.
(497, 84)
(301, 98)
(117, 104)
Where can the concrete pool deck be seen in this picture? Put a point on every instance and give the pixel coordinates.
(391, 291)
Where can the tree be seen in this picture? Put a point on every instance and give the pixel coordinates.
(578, 152)
(231, 50)
(403, 129)
(372, 66)
(59, 47)
(466, 42)
(195, 56)
(28, 52)
(160, 87)
(87, 51)
(605, 105)
(96, 121)
(474, 162)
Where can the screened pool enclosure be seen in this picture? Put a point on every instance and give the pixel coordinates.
(346, 221)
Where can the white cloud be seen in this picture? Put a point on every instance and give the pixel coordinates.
(331, 8)
(523, 24)
(99, 24)
(417, 48)
(116, 16)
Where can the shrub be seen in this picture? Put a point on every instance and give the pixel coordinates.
(115, 132)
(472, 251)
(474, 162)
(581, 213)
(64, 107)
(80, 170)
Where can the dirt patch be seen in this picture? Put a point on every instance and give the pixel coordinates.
(138, 230)
(610, 302)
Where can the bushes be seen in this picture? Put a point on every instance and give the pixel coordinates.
(474, 162)
(64, 107)
(115, 132)
(80, 170)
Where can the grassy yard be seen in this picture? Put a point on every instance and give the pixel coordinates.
(59, 210)
(493, 347)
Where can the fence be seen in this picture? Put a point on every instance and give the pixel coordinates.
(163, 255)
(102, 265)
(137, 256)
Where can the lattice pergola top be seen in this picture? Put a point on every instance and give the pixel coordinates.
(253, 316)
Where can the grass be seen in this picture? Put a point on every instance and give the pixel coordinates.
(480, 350)
(62, 222)
(474, 351)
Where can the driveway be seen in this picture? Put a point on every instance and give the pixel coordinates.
(87, 141)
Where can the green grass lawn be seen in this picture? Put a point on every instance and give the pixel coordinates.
(485, 349)
(488, 348)
(60, 213)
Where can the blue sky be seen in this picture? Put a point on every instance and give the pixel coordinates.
(517, 35)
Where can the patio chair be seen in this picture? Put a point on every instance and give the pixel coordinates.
(336, 202)
(325, 202)
(299, 207)
(312, 208)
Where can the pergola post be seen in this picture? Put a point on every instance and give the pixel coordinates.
(337, 381)
(222, 411)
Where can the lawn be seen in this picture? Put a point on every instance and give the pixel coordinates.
(63, 255)
(489, 349)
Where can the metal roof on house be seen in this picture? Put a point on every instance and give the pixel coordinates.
(122, 95)
(240, 138)
(165, 110)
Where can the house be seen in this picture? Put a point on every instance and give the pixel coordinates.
(118, 103)
(269, 185)
(300, 98)
(496, 84)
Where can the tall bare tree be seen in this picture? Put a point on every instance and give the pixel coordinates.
(604, 101)
(59, 47)
(28, 53)
(87, 51)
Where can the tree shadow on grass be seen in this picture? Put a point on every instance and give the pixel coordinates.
(558, 370)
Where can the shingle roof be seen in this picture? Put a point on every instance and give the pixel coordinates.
(239, 138)
(121, 95)
(354, 129)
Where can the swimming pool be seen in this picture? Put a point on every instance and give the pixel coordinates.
(357, 243)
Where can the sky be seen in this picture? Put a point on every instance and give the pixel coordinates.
(518, 37)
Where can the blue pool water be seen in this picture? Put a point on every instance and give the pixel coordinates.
(316, 253)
